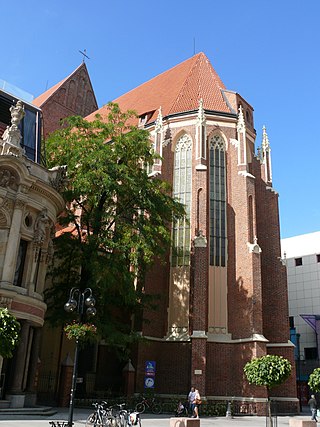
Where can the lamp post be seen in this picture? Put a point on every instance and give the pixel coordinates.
(77, 302)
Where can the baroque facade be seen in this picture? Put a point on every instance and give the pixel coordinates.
(223, 289)
(29, 204)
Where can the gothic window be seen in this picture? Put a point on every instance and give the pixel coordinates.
(182, 176)
(250, 220)
(217, 203)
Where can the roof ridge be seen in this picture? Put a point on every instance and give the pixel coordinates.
(196, 60)
(169, 70)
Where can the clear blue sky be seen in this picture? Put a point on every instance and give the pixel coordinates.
(266, 50)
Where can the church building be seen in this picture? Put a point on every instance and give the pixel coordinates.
(223, 287)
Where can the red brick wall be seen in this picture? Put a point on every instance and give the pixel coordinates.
(257, 293)
(74, 97)
(172, 366)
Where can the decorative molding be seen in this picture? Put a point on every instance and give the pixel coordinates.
(5, 302)
(201, 119)
(234, 142)
(200, 240)
(241, 126)
(24, 189)
(199, 334)
(41, 191)
(254, 247)
(246, 174)
(159, 122)
(265, 140)
(8, 179)
(280, 344)
(3, 220)
(19, 204)
(201, 167)
(166, 142)
(59, 178)
(268, 188)
(7, 204)
(227, 339)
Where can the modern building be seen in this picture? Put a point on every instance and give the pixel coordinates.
(223, 288)
(301, 255)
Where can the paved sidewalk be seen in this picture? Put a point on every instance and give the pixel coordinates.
(147, 420)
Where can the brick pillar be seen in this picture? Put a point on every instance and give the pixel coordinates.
(128, 373)
(199, 314)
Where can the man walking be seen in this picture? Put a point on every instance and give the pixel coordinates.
(313, 407)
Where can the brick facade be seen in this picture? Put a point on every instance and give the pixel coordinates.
(74, 96)
(256, 292)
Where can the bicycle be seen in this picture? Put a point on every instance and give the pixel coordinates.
(122, 415)
(126, 417)
(101, 417)
(151, 404)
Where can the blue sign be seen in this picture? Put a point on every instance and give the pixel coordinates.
(150, 368)
(148, 382)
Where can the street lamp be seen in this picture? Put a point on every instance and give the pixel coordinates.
(77, 302)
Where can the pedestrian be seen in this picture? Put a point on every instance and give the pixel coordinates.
(191, 397)
(313, 407)
(196, 403)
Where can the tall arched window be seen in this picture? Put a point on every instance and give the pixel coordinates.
(218, 225)
(182, 176)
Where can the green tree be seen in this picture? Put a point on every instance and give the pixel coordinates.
(116, 223)
(314, 380)
(268, 371)
(9, 333)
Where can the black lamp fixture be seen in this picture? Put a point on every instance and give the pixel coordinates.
(83, 303)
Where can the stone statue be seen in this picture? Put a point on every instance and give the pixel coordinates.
(11, 137)
(40, 226)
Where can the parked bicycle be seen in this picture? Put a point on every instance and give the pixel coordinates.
(125, 417)
(151, 404)
(102, 416)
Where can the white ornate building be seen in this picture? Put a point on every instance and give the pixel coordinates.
(29, 204)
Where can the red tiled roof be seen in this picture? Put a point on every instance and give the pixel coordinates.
(41, 99)
(176, 90)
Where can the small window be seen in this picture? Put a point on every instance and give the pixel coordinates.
(318, 257)
(143, 119)
(291, 322)
(20, 263)
(298, 261)
(310, 353)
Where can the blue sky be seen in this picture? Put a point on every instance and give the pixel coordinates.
(266, 50)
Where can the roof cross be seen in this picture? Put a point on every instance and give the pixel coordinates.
(84, 53)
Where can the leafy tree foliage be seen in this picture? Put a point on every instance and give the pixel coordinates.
(314, 380)
(268, 371)
(9, 333)
(117, 219)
